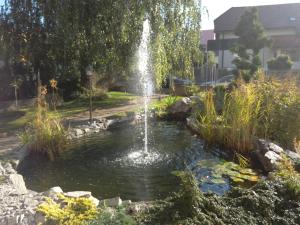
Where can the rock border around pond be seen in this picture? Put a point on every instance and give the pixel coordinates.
(18, 204)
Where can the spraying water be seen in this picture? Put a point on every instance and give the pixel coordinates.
(145, 75)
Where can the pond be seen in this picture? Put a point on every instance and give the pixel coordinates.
(113, 163)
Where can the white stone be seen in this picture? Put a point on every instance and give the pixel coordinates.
(87, 130)
(2, 170)
(275, 148)
(78, 194)
(272, 156)
(52, 192)
(112, 202)
(78, 132)
(18, 183)
(94, 200)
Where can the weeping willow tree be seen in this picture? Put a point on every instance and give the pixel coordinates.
(61, 38)
(176, 38)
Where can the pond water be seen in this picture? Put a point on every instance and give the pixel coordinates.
(112, 163)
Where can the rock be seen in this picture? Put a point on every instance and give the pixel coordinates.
(112, 202)
(2, 170)
(126, 202)
(180, 109)
(292, 155)
(265, 146)
(82, 194)
(192, 124)
(275, 148)
(52, 192)
(18, 183)
(9, 169)
(39, 218)
(87, 130)
(94, 200)
(78, 132)
(137, 207)
(273, 157)
(78, 194)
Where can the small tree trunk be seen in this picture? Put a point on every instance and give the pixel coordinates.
(16, 96)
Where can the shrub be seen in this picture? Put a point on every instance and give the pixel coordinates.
(163, 105)
(118, 217)
(291, 177)
(280, 63)
(70, 211)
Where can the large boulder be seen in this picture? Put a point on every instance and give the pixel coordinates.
(181, 109)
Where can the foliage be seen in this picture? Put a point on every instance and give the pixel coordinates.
(45, 134)
(70, 211)
(280, 63)
(207, 121)
(118, 217)
(60, 39)
(265, 203)
(233, 171)
(266, 108)
(175, 41)
(164, 104)
(251, 39)
(290, 176)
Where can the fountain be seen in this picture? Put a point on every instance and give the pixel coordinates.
(145, 76)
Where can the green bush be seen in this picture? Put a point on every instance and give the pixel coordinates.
(163, 105)
(280, 63)
(118, 217)
(70, 211)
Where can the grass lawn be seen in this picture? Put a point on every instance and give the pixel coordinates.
(12, 121)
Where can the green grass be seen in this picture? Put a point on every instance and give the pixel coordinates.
(15, 120)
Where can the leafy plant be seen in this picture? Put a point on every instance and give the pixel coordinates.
(69, 211)
(280, 63)
(163, 105)
(233, 171)
(118, 217)
(290, 176)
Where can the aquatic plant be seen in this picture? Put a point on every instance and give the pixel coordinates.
(266, 108)
(45, 134)
(231, 170)
(70, 211)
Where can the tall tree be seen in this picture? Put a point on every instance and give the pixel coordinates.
(251, 39)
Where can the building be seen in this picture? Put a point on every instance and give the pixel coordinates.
(281, 23)
(206, 35)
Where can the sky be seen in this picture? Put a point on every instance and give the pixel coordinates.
(217, 7)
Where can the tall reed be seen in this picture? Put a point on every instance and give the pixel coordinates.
(266, 108)
(45, 134)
